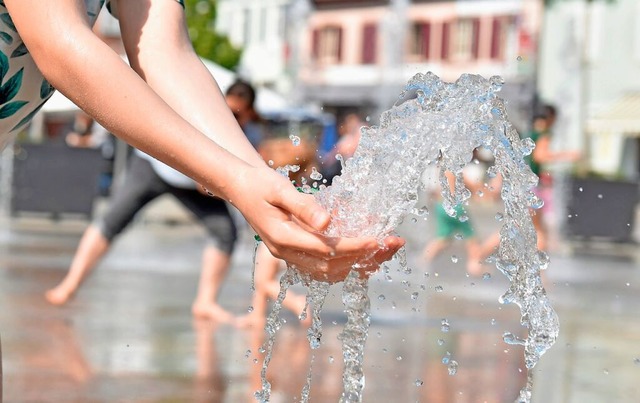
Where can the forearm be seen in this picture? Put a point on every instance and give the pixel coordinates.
(87, 71)
(159, 49)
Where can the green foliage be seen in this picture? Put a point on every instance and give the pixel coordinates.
(201, 16)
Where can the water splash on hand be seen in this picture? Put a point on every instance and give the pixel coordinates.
(439, 123)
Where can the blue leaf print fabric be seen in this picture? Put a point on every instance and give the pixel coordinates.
(23, 89)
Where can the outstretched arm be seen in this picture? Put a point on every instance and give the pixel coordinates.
(171, 115)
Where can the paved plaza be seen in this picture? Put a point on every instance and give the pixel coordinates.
(128, 336)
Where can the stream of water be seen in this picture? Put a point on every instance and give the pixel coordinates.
(440, 123)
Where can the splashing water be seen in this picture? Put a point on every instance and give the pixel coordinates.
(433, 123)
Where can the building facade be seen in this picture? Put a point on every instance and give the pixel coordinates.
(261, 28)
(346, 55)
(590, 69)
(359, 54)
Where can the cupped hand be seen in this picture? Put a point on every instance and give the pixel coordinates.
(290, 224)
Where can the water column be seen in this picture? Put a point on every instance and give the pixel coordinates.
(437, 123)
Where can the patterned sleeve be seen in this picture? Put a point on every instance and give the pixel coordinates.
(114, 10)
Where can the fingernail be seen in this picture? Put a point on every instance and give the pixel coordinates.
(318, 219)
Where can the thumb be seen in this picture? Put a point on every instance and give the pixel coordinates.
(305, 208)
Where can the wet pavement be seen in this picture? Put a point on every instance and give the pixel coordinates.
(128, 336)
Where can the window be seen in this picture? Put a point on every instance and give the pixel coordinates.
(283, 18)
(263, 24)
(419, 41)
(498, 38)
(327, 45)
(460, 39)
(246, 32)
(369, 43)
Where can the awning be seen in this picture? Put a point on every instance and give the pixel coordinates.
(621, 117)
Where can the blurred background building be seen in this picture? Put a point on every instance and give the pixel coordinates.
(357, 55)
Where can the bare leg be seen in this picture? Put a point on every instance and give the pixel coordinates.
(268, 288)
(474, 266)
(541, 231)
(215, 265)
(91, 249)
(434, 248)
(490, 246)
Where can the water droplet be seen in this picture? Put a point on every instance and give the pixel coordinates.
(454, 258)
(499, 216)
(493, 321)
(414, 296)
(399, 358)
(247, 353)
(580, 188)
(270, 163)
(294, 139)
(439, 288)
(315, 175)
(458, 236)
(452, 367)
(600, 196)
(250, 309)
(636, 361)
(331, 359)
(381, 297)
(446, 358)
(519, 58)
(512, 339)
(440, 342)
(419, 382)
(606, 371)
(444, 325)
(464, 218)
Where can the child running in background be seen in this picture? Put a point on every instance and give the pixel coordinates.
(448, 228)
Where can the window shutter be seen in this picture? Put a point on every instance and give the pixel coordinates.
(475, 39)
(339, 50)
(369, 43)
(426, 37)
(315, 44)
(444, 54)
(496, 33)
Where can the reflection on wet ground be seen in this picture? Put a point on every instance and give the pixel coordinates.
(129, 336)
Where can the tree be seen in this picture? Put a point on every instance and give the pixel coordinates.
(201, 16)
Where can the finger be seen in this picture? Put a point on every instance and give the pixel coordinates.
(295, 238)
(304, 208)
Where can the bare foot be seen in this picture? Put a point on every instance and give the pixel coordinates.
(59, 295)
(253, 320)
(474, 267)
(211, 311)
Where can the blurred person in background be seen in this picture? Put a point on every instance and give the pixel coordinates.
(540, 158)
(458, 227)
(85, 132)
(166, 104)
(350, 131)
(147, 179)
